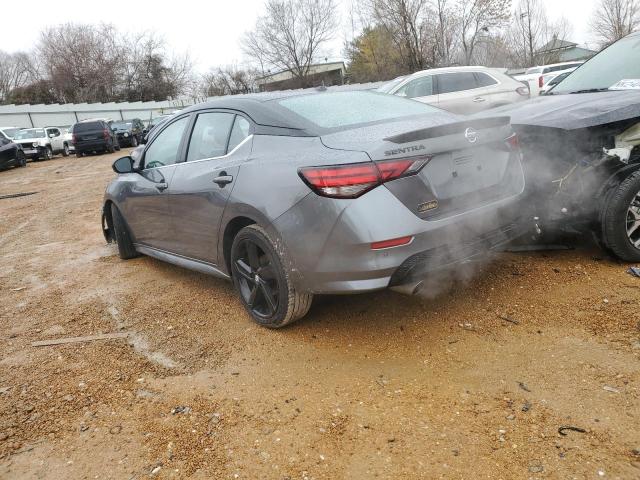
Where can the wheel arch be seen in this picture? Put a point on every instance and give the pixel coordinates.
(107, 221)
(230, 231)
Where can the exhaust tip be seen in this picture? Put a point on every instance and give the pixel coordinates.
(408, 288)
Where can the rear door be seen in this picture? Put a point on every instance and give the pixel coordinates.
(459, 92)
(200, 188)
(146, 208)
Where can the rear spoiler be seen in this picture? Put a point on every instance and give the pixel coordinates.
(449, 129)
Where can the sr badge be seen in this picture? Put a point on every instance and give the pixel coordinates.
(427, 206)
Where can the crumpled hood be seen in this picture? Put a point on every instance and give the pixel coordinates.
(572, 111)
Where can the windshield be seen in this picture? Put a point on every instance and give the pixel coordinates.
(121, 125)
(621, 61)
(10, 132)
(387, 87)
(30, 133)
(347, 109)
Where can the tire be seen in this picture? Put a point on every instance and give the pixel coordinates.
(134, 141)
(21, 159)
(79, 154)
(621, 219)
(110, 149)
(48, 153)
(116, 145)
(121, 233)
(65, 150)
(265, 274)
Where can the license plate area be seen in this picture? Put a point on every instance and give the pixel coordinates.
(461, 172)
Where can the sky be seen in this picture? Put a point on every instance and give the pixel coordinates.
(209, 30)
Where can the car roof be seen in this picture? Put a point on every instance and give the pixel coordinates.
(256, 105)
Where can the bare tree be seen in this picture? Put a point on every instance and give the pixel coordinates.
(477, 18)
(530, 31)
(445, 31)
(615, 19)
(406, 24)
(229, 80)
(290, 34)
(16, 71)
(83, 62)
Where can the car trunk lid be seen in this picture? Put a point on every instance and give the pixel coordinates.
(471, 163)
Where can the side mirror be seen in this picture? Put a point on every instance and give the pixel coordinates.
(123, 165)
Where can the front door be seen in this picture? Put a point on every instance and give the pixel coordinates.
(146, 209)
(201, 186)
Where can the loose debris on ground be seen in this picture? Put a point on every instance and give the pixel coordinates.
(370, 386)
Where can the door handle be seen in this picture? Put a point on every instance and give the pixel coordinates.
(162, 186)
(223, 179)
(479, 99)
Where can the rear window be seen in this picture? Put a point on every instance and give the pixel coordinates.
(485, 80)
(87, 126)
(348, 109)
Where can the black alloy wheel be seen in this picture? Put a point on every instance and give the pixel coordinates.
(258, 281)
(262, 276)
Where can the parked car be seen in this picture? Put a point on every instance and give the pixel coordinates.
(554, 80)
(536, 77)
(42, 143)
(11, 154)
(582, 150)
(129, 132)
(9, 132)
(291, 194)
(68, 137)
(93, 136)
(463, 90)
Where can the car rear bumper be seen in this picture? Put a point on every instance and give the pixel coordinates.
(90, 145)
(333, 253)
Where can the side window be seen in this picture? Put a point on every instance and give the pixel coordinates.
(456, 82)
(485, 80)
(420, 87)
(240, 131)
(210, 136)
(164, 149)
(3, 141)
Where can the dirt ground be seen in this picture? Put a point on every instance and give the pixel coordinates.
(372, 386)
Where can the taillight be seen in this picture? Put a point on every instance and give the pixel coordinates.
(74, 138)
(396, 242)
(513, 141)
(355, 179)
(105, 132)
(524, 91)
(541, 81)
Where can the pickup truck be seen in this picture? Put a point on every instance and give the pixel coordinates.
(42, 143)
(536, 77)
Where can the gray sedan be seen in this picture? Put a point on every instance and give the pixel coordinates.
(316, 192)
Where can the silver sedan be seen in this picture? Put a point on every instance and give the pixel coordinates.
(295, 194)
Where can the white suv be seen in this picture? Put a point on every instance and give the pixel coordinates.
(462, 90)
(42, 143)
(536, 77)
